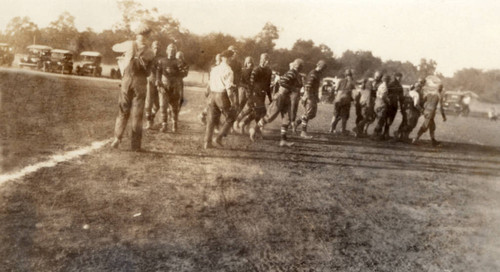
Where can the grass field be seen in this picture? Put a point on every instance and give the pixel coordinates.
(330, 204)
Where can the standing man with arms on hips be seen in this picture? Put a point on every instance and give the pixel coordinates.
(168, 79)
(281, 103)
(136, 65)
(311, 98)
(152, 104)
(222, 100)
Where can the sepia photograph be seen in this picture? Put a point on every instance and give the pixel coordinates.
(250, 135)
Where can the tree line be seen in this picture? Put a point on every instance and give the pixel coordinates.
(200, 50)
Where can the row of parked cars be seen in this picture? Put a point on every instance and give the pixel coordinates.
(47, 59)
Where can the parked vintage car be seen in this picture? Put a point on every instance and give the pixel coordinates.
(37, 57)
(6, 55)
(61, 61)
(327, 89)
(91, 64)
(457, 102)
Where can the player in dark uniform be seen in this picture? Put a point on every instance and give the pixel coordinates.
(260, 87)
(431, 101)
(167, 78)
(310, 98)
(342, 102)
(364, 101)
(183, 72)
(152, 104)
(412, 109)
(377, 80)
(294, 102)
(281, 103)
(380, 107)
(237, 67)
(395, 95)
(244, 88)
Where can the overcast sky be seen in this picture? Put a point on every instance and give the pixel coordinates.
(456, 34)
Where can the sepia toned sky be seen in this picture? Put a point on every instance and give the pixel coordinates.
(457, 34)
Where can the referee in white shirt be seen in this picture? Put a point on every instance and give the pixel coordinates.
(222, 100)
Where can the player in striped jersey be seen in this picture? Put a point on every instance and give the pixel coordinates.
(310, 98)
(281, 103)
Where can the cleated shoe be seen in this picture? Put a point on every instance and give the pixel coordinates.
(208, 145)
(356, 133)
(115, 143)
(174, 128)
(218, 142)
(252, 134)
(149, 125)
(163, 127)
(243, 128)
(435, 143)
(294, 128)
(304, 135)
(203, 118)
(285, 143)
(259, 134)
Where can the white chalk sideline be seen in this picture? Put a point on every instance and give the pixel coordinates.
(55, 159)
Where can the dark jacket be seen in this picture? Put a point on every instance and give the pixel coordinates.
(246, 73)
(260, 80)
(168, 68)
(237, 69)
(395, 93)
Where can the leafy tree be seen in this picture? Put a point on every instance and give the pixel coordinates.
(409, 71)
(21, 31)
(307, 51)
(212, 44)
(61, 33)
(426, 67)
(265, 38)
(363, 63)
